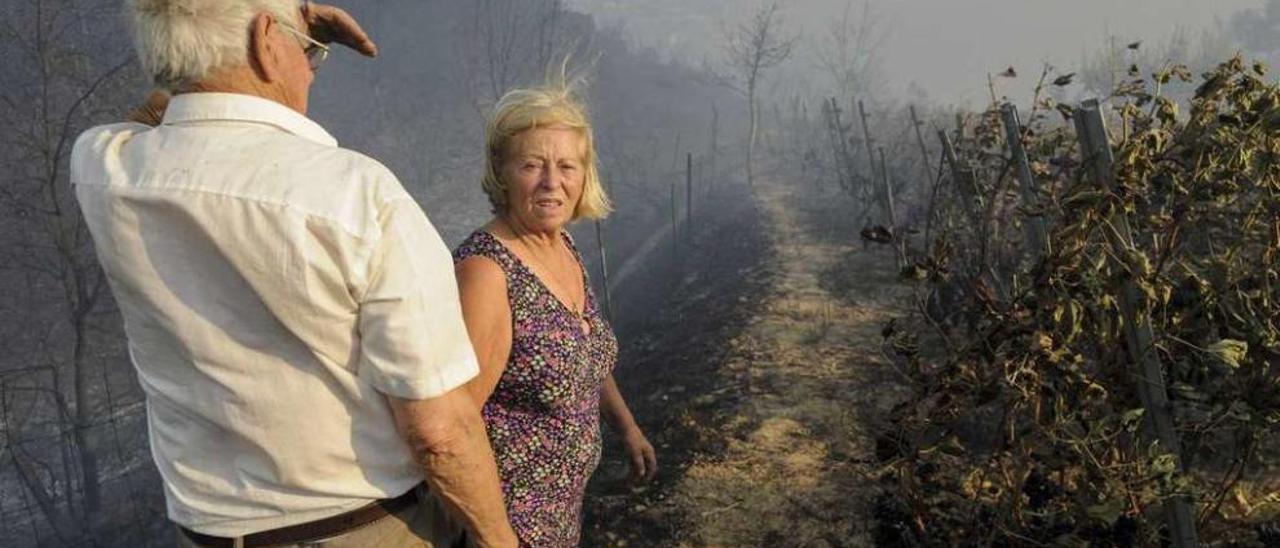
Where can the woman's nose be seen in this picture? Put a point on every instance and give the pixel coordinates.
(551, 178)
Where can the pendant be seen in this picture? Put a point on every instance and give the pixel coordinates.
(586, 325)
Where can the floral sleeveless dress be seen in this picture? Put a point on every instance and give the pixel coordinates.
(543, 417)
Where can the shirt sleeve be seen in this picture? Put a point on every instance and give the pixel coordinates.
(413, 340)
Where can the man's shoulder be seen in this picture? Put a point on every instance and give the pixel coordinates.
(95, 133)
(344, 166)
(97, 140)
(354, 161)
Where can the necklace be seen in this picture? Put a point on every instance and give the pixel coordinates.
(575, 307)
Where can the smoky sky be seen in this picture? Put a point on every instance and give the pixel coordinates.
(941, 48)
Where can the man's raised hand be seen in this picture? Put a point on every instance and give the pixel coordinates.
(329, 24)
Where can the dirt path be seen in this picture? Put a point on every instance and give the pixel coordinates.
(759, 386)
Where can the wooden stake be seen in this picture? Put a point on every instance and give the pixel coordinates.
(688, 195)
(899, 242)
(840, 144)
(715, 144)
(924, 150)
(604, 272)
(1095, 146)
(949, 153)
(933, 202)
(866, 133)
(831, 115)
(1036, 234)
(675, 229)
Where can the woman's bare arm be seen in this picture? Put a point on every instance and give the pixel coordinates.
(483, 288)
(640, 454)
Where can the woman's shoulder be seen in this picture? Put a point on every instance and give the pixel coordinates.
(481, 260)
(482, 273)
(480, 244)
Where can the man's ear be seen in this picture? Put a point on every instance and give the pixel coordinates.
(264, 55)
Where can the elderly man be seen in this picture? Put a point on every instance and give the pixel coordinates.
(292, 315)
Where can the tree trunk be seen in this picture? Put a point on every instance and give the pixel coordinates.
(63, 522)
(751, 135)
(84, 418)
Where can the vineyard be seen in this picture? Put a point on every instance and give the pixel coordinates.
(847, 317)
(1094, 351)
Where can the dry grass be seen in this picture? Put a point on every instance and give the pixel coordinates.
(795, 447)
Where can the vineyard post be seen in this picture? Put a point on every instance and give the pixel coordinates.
(961, 177)
(953, 165)
(1140, 336)
(900, 243)
(924, 150)
(840, 139)
(1036, 235)
(675, 230)
(871, 157)
(933, 202)
(845, 157)
(831, 114)
(604, 272)
(949, 153)
(688, 195)
(715, 144)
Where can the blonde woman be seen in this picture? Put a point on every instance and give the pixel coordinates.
(545, 350)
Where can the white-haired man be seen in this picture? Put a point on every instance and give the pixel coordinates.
(292, 315)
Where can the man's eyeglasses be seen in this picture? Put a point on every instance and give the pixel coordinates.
(315, 51)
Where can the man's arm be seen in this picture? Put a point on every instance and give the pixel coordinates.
(415, 350)
(449, 443)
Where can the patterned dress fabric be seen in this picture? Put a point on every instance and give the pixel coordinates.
(543, 417)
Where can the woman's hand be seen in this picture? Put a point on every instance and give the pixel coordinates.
(641, 456)
(640, 453)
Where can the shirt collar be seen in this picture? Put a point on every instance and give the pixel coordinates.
(195, 107)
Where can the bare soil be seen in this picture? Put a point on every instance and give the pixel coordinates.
(759, 382)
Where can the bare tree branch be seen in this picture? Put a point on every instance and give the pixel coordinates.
(752, 48)
(850, 50)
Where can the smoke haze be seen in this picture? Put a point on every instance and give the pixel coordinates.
(942, 49)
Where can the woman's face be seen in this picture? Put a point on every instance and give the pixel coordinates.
(544, 171)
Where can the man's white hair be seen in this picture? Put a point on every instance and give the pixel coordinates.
(180, 42)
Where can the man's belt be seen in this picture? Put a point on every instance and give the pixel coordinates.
(313, 530)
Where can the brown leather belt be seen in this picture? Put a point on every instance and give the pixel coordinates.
(313, 530)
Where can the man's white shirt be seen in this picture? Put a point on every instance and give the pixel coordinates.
(273, 287)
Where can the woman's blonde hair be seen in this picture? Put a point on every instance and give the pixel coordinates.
(554, 104)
